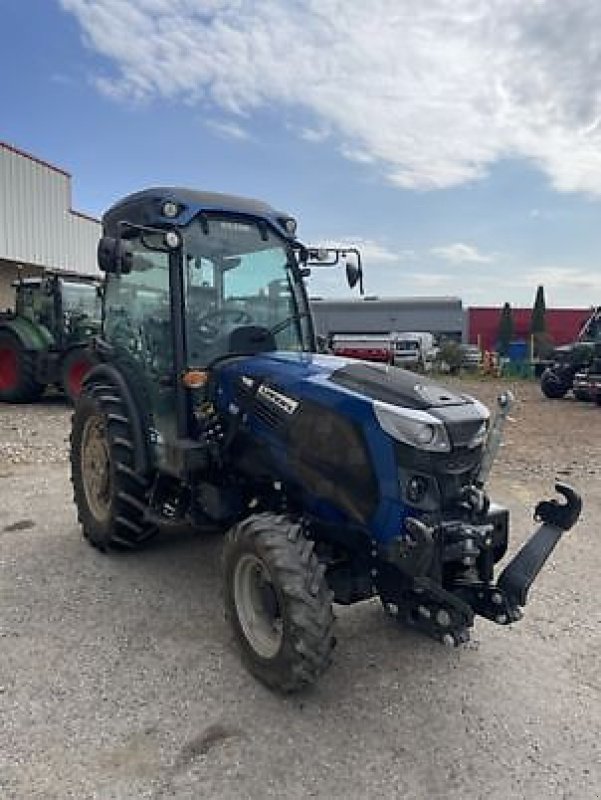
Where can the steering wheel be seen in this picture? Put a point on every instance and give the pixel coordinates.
(211, 322)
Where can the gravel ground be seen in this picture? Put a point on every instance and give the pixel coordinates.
(119, 679)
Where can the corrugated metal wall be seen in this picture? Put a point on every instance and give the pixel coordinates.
(37, 225)
(441, 316)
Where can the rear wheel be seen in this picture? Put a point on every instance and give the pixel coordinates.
(582, 396)
(17, 372)
(553, 386)
(278, 601)
(76, 365)
(111, 498)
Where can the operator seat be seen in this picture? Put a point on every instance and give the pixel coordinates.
(248, 340)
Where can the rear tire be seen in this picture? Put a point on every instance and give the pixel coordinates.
(581, 396)
(278, 601)
(76, 365)
(17, 372)
(552, 385)
(111, 498)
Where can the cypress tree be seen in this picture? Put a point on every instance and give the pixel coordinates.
(505, 329)
(538, 326)
(537, 320)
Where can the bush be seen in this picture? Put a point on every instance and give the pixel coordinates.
(449, 355)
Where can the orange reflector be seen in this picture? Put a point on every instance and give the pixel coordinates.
(195, 378)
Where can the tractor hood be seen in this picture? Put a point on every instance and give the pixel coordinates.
(385, 388)
(395, 386)
(374, 381)
(393, 390)
(577, 353)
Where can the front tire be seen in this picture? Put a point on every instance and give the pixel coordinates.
(278, 601)
(553, 385)
(111, 498)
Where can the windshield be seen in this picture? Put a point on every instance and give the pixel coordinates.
(81, 299)
(242, 291)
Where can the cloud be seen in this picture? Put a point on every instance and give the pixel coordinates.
(314, 135)
(460, 253)
(227, 129)
(566, 280)
(430, 94)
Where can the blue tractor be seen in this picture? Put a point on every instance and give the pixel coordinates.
(337, 481)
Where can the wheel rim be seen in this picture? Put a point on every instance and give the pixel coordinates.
(77, 372)
(9, 368)
(96, 472)
(257, 606)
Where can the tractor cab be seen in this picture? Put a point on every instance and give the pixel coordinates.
(68, 308)
(591, 330)
(194, 278)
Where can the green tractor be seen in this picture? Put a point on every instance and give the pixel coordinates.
(337, 480)
(568, 360)
(44, 340)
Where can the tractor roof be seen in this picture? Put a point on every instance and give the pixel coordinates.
(145, 208)
(68, 277)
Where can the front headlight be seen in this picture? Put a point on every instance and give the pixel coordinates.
(482, 433)
(416, 428)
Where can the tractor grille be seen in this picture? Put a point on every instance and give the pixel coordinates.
(267, 413)
(445, 474)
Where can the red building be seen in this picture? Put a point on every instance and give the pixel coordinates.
(562, 324)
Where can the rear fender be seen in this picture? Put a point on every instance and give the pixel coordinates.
(103, 373)
(28, 334)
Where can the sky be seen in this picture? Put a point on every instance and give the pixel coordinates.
(457, 143)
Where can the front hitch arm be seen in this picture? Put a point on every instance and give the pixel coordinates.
(556, 518)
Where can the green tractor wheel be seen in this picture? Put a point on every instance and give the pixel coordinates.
(17, 372)
(278, 601)
(111, 497)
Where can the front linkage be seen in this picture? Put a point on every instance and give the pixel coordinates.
(445, 610)
(439, 577)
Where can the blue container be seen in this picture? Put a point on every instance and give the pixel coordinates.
(518, 351)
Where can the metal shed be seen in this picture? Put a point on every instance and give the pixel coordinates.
(442, 316)
(38, 228)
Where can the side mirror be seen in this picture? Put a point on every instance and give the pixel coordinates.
(354, 273)
(114, 255)
(330, 257)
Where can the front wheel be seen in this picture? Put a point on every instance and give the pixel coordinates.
(278, 601)
(553, 385)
